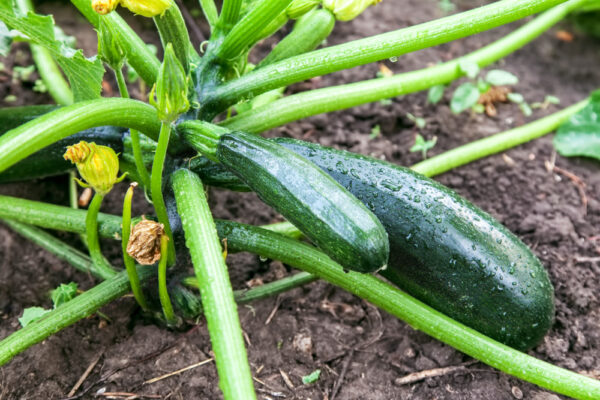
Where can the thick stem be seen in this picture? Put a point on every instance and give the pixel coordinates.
(93, 244)
(230, 13)
(335, 98)
(28, 138)
(235, 378)
(129, 262)
(156, 186)
(375, 48)
(163, 293)
(172, 29)
(139, 55)
(142, 172)
(495, 144)
(247, 32)
(210, 12)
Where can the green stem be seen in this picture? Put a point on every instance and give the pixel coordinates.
(230, 13)
(495, 144)
(55, 246)
(49, 71)
(134, 279)
(91, 223)
(247, 32)
(34, 135)
(375, 48)
(171, 28)
(163, 293)
(156, 186)
(210, 12)
(335, 98)
(215, 289)
(139, 55)
(67, 314)
(415, 313)
(142, 172)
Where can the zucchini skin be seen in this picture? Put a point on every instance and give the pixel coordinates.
(323, 210)
(445, 251)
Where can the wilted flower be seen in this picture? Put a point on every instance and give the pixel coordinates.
(144, 242)
(104, 7)
(345, 10)
(97, 165)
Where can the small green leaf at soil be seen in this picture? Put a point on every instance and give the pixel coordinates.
(580, 135)
(63, 293)
(465, 96)
(32, 314)
(435, 94)
(498, 77)
(312, 377)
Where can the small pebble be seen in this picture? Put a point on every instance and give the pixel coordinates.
(517, 393)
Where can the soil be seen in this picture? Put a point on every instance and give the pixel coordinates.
(318, 326)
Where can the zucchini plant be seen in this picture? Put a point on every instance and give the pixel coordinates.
(467, 280)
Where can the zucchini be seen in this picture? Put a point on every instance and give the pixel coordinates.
(309, 198)
(445, 251)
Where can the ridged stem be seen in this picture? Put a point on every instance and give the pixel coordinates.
(230, 13)
(375, 48)
(247, 31)
(129, 262)
(210, 12)
(93, 243)
(235, 378)
(302, 105)
(34, 135)
(171, 28)
(142, 172)
(139, 55)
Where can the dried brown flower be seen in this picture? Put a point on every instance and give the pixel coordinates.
(144, 242)
(495, 94)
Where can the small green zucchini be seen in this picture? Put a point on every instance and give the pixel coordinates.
(309, 198)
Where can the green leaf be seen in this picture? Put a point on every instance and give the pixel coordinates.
(63, 293)
(580, 135)
(5, 39)
(465, 96)
(312, 377)
(498, 77)
(423, 145)
(32, 314)
(435, 93)
(515, 98)
(85, 75)
(418, 121)
(469, 68)
(375, 132)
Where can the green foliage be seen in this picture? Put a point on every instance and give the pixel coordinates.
(518, 99)
(5, 39)
(580, 135)
(423, 145)
(469, 68)
(465, 96)
(418, 121)
(498, 77)
(63, 293)
(375, 132)
(32, 314)
(312, 377)
(435, 94)
(85, 75)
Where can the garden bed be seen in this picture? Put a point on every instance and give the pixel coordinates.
(362, 353)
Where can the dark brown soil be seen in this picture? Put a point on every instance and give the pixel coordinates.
(319, 326)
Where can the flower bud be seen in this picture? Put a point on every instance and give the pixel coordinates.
(171, 88)
(147, 8)
(97, 165)
(144, 242)
(345, 10)
(300, 7)
(104, 7)
(109, 47)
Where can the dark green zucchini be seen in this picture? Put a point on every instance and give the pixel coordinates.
(323, 210)
(444, 250)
